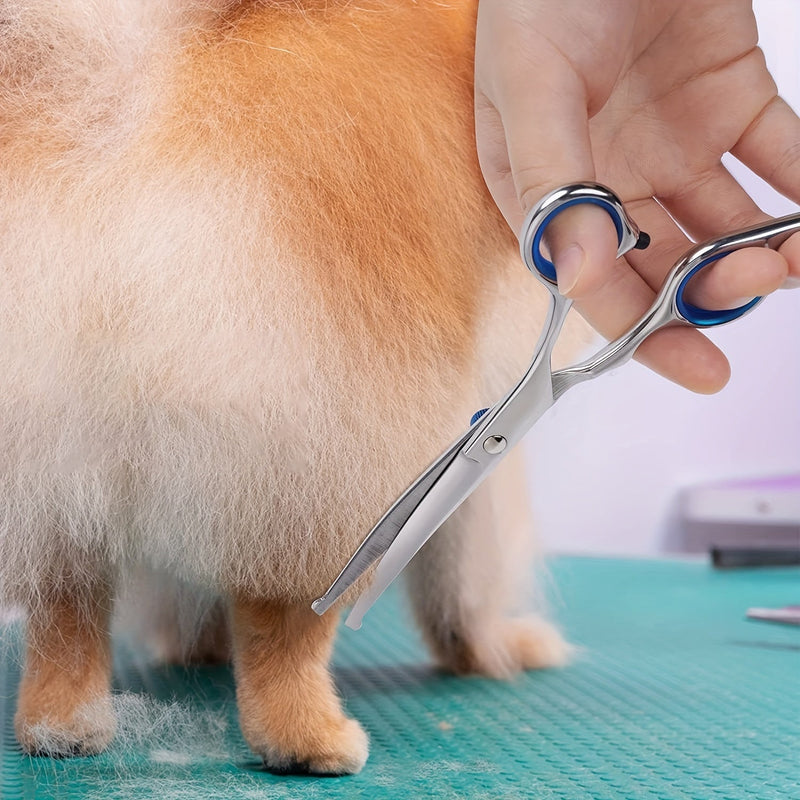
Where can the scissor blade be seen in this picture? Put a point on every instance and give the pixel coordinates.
(461, 475)
(468, 459)
(455, 484)
(380, 538)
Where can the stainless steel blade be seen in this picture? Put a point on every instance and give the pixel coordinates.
(380, 538)
(455, 484)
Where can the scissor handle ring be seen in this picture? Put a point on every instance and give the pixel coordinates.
(541, 215)
(545, 267)
(704, 317)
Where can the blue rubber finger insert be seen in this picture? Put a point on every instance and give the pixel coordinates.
(705, 317)
(545, 267)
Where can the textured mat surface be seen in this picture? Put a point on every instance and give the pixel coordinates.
(674, 695)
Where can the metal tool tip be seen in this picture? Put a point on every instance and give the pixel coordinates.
(356, 615)
(319, 606)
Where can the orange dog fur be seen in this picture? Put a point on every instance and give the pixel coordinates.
(253, 283)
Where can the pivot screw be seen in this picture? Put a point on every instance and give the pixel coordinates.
(494, 445)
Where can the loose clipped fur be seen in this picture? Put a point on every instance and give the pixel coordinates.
(252, 284)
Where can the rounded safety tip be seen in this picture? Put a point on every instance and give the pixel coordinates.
(353, 622)
(319, 606)
(643, 242)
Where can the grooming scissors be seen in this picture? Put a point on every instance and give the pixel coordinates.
(444, 485)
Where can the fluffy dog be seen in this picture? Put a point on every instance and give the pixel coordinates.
(252, 283)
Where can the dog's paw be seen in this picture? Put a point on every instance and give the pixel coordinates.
(84, 730)
(533, 643)
(503, 648)
(339, 748)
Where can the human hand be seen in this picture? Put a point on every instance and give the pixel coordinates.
(644, 97)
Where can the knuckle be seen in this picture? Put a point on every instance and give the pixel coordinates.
(533, 182)
(738, 218)
(788, 163)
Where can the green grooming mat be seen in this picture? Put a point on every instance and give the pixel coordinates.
(673, 694)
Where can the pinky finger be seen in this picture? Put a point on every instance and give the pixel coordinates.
(771, 148)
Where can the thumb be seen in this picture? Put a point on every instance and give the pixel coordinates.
(532, 138)
(583, 244)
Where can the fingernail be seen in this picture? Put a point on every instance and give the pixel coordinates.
(568, 264)
(791, 283)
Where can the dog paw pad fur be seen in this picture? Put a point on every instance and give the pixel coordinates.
(87, 731)
(339, 750)
(504, 647)
(534, 643)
